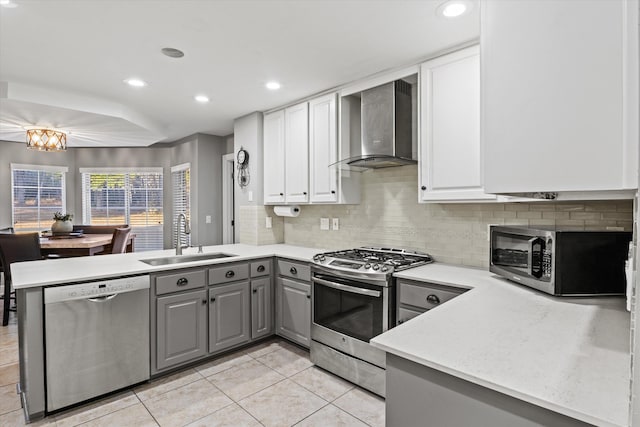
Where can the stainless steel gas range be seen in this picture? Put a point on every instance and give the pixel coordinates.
(353, 300)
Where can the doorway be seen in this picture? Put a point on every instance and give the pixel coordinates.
(228, 212)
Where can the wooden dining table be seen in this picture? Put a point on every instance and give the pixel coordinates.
(85, 245)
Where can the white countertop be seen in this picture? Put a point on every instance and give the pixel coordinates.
(569, 355)
(67, 270)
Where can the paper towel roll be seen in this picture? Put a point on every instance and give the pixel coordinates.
(291, 211)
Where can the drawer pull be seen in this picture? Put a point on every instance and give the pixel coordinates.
(333, 191)
(229, 274)
(308, 296)
(293, 270)
(261, 268)
(433, 299)
(183, 281)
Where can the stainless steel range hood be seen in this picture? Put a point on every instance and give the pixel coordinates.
(386, 115)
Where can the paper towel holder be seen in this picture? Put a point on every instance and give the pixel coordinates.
(287, 211)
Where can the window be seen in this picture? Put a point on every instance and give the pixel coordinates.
(125, 196)
(37, 192)
(181, 188)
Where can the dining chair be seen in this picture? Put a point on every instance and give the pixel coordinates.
(119, 240)
(15, 248)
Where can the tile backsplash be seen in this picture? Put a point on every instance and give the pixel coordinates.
(456, 233)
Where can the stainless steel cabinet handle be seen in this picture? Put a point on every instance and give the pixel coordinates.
(433, 299)
(229, 274)
(261, 268)
(293, 270)
(183, 281)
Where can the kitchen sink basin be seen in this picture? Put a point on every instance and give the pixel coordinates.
(179, 259)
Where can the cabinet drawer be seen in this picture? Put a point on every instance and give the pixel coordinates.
(180, 281)
(296, 270)
(261, 268)
(425, 296)
(405, 314)
(228, 273)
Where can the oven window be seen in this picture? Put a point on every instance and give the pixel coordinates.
(356, 315)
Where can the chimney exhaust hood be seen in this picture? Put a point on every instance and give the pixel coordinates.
(386, 119)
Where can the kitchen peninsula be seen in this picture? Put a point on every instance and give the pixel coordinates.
(568, 356)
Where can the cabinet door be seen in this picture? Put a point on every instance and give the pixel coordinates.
(228, 316)
(323, 146)
(261, 312)
(560, 105)
(181, 334)
(293, 310)
(296, 154)
(450, 154)
(274, 157)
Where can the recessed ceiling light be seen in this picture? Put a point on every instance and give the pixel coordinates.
(172, 52)
(135, 82)
(201, 98)
(273, 85)
(454, 8)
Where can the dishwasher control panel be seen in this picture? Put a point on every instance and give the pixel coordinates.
(95, 289)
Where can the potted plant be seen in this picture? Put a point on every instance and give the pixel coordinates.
(62, 224)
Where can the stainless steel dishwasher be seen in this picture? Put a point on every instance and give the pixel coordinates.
(97, 338)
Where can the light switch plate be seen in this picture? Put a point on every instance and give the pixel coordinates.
(336, 224)
(250, 196)
(268, 222)
(207, 219)
(324, 223)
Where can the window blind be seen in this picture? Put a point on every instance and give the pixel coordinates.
(181, 190)
(126, 196)
(37, 192)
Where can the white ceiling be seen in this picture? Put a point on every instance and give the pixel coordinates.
(63, 62)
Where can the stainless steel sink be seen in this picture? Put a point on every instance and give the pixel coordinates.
(179, 259)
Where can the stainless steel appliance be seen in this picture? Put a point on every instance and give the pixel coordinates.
(97, 338)
(353, 300)
(561, 262)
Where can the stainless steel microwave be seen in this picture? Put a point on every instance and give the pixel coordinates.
(561, 262)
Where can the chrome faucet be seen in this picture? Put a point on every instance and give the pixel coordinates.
(187, 231)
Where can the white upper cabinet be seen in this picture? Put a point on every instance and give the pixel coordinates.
(323, 145)
(296, 143)
(274, 157)
(559, 95)
(450, 152)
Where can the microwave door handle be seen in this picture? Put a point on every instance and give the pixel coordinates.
(347, 288)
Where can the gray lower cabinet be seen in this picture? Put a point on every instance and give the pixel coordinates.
(293, 310)
(229, 316)
(261, 308)
(181, 328)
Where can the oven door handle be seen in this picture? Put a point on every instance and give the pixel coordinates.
(347, 288)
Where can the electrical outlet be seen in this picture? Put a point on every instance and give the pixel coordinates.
(336, 224)
(207, 219)
(268, 222)
(324, 223)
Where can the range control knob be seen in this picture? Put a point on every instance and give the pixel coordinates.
(384, 268)
(367, 265)
(316, 257)
(322, 257)
(376, 267)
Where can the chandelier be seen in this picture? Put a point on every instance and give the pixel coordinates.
(46, 140)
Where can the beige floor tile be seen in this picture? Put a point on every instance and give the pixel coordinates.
(11, 328)
(9, 399)
(131, 416)
(165, 384)
(283, 404)
(287, 361)
(326, 385)
(223, 363)
(96, 409)
(231, 416)
(9, 340)
(363, 405)
(16, 419)
(330, 416)
(8, 355)
(187, 404)
(264, 348)
(9, 374)
(243, 380)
